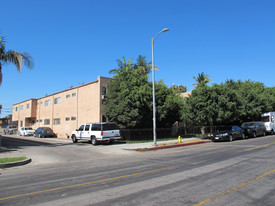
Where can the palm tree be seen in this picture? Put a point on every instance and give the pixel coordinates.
(202, 79)
(14, 57)
(122, 65)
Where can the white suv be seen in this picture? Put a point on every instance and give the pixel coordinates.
(97, 132)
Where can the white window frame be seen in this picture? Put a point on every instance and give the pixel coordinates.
(57, 100)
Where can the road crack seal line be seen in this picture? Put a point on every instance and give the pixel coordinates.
(232, 189)
(86, 183)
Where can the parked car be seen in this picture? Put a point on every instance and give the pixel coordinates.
(229, 133)
(97, 132)
(254, 129)
(44, 132)
(26, 131)
(11, 129)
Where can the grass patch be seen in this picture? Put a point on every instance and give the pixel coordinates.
(12, 159)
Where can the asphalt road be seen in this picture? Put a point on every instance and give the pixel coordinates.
(228, 173)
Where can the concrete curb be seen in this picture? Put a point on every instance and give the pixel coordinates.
(13, 164)
(169, 146)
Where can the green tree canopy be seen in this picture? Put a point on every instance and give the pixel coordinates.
(129, 97)
(228, 103)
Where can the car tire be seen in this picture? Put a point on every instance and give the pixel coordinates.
(230, 138)
(93, 140)
(39, 136)
(74, 139)
(264, 133)
(272, 132)
(254, 135)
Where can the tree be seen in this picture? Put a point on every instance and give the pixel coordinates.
(202, 79)
(15, 57)
(129, 97)
(179, 89)
(228, 103)
(168, 105)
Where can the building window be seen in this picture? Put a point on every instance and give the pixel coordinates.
(28, 106)
(57, 100)
(103, 93)
(16, 109)
(21, 107)
(56, 121)
(68, 96)
(103, 90)
(67, 119)
(73, 118)
(46, 121)
(47, 103)
(41, 102)
(21, 123)
(73, 94)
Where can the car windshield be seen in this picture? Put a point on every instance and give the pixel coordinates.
(247, 125)
(28, 128)
(12, 127)
(224, 129)
(47, 129)
(265, 119)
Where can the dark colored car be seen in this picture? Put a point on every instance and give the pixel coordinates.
(229, 133)
(44, 132)
(254, 129)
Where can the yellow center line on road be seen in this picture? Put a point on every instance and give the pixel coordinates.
(235, 188)
(86, 183)
(253, 148)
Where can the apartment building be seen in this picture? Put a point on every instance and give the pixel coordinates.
(64, 111)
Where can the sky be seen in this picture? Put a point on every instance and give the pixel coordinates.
(75, 41)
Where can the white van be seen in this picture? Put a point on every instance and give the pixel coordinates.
(268, 119)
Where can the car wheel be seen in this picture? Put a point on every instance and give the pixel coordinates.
(243, 136)
(263, 133)
(39, 136)
(93, 140)
(254, 135)
(230, 138)
(272, 132)
(74, 139)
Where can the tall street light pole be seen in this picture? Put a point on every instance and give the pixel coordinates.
(154, 98)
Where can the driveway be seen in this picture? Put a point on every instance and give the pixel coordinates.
(52, 150)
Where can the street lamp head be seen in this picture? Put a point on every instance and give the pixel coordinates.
(165, 30)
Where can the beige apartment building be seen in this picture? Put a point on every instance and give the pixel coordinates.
(64, 111)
